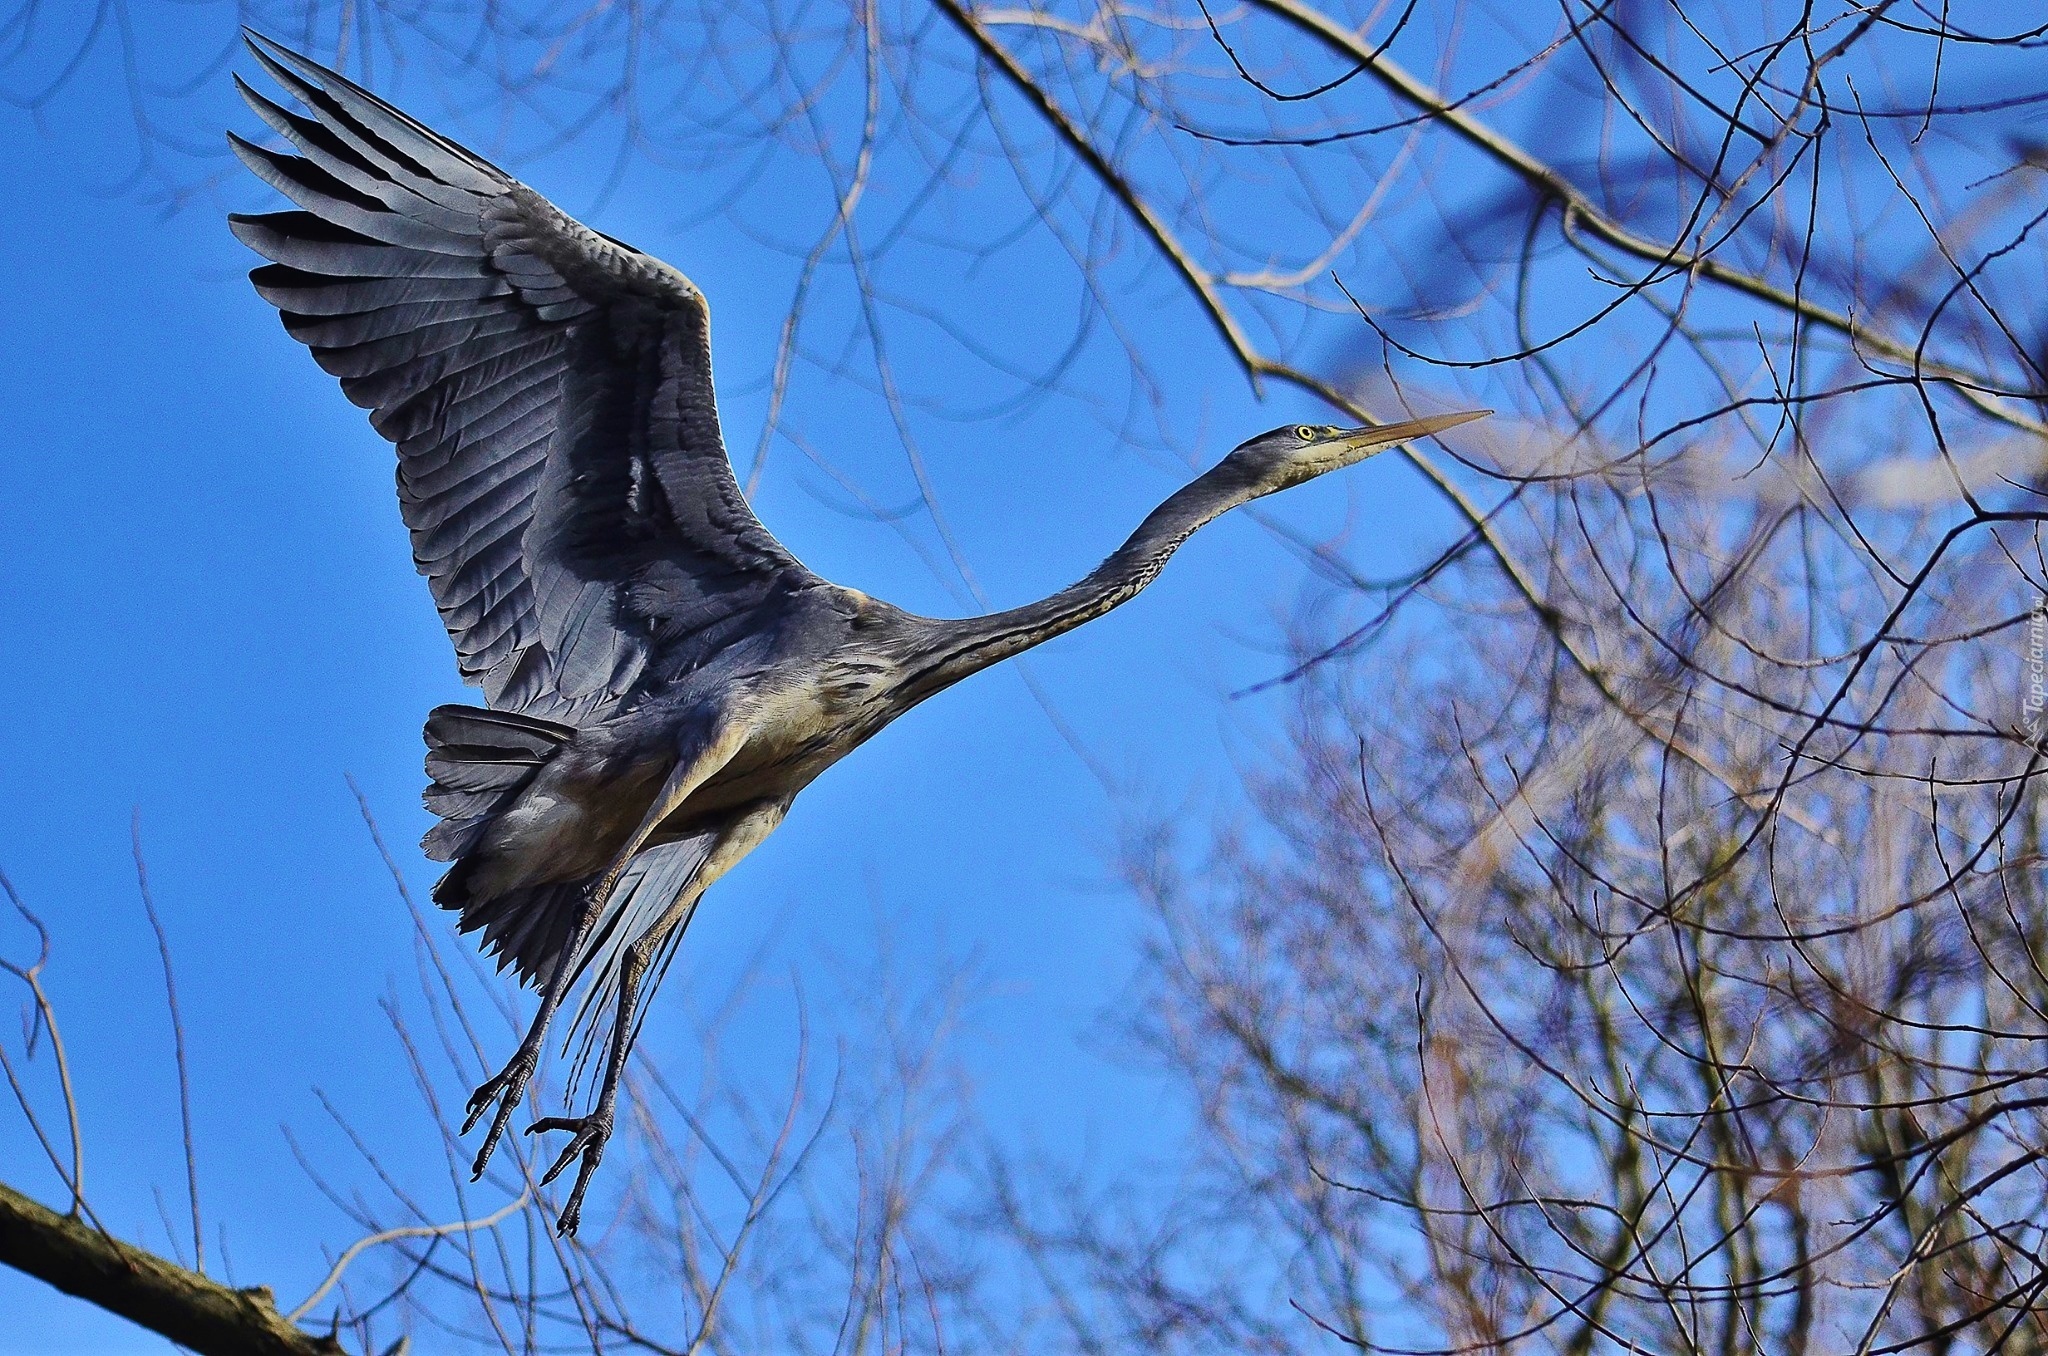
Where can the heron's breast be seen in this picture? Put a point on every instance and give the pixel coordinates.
(810, 725)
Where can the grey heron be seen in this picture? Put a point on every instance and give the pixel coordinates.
(661, 676)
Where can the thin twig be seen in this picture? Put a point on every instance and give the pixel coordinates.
(163, 950)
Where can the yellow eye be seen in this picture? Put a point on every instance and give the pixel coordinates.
(1305, 433)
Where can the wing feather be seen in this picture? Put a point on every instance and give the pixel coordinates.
(337, 332)
(307, 240)
(330, 199)
(560, 465)
(390, 144)
(291, 289)
(346, 162)
(366, 357)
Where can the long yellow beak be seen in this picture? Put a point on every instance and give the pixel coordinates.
(1361, 441)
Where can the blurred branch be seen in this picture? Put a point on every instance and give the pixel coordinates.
(1667, 260)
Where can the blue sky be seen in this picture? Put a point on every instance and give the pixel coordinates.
(210, 617)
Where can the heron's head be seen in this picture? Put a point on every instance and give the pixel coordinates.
(1301, 452)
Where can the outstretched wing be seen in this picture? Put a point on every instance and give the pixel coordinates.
(549, 389)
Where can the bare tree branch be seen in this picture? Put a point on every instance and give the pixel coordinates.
(165, 1298)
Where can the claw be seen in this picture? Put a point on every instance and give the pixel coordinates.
(480, 1100)
(588, 1141)
(587, 1133)
(506, 1088)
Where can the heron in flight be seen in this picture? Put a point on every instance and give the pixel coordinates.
(661, 676)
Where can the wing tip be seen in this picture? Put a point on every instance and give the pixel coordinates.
(269, 51)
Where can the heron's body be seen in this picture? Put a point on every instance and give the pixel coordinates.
(810, 693)
(662, 677)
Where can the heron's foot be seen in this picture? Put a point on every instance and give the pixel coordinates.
(506, 1089)
(588, 1140)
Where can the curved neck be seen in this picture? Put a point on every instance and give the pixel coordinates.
(971, 644)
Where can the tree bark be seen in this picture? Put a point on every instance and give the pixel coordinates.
(191, 1310)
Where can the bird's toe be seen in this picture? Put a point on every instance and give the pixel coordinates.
(506, 1089)
(587, 1142)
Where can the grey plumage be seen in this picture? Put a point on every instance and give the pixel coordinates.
(662, 676)
(433, 285)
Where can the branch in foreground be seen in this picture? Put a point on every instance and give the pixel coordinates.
(189, 1309)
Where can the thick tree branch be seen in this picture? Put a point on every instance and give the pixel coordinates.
(188, 1308)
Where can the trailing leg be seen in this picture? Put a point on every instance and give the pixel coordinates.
(591, 1132)
(508, 1085)
(702, 758)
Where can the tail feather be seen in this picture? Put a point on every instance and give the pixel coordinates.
(525, 928)
(510, 731)
(528, 928)
(478, 760)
